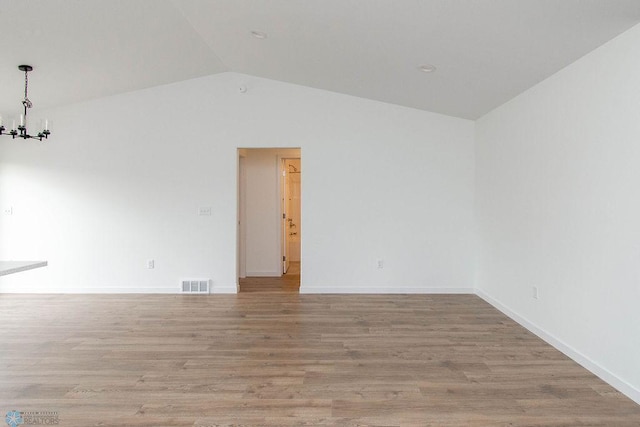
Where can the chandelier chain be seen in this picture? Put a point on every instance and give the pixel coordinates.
(26, 101)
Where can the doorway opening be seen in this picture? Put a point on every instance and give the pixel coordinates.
(269, 219)
(290, 196)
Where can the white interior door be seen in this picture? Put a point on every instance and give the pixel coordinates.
(242, 232)
(284, 191)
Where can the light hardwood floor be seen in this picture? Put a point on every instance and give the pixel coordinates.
(289, 282)
(284, 359)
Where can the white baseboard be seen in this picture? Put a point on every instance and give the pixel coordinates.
(263, 274)
(101, 290)
(618, 383)
(215, 289)
(369, 289)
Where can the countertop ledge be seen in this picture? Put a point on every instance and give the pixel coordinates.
(10, 267)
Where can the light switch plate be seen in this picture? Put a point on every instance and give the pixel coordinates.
(204, 211)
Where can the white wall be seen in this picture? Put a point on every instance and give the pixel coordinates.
(122, 178)
(558, 207)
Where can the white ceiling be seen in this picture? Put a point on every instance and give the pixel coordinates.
(485, 51)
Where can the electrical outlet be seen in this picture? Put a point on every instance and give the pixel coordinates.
(534, 292)
(8, 210)
(204, 211)
(151, 264)
(380, 264)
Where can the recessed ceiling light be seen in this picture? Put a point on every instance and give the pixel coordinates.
(259, 35)
(427, 68)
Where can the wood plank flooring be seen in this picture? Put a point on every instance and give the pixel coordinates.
(284, 359)
(289, 282)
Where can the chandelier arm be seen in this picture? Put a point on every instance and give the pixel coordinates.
(26, 136)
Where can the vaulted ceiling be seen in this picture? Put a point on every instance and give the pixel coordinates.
(485, 51)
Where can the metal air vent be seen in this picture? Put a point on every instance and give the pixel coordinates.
(196, 286)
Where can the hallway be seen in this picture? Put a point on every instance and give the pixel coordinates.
(289, 282)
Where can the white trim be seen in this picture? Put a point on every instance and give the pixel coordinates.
(367, 289)
(215, 289)
(264, 274)
(604, 374)
(101, 290)
(279, 219)
(241, 216)
(280, 195)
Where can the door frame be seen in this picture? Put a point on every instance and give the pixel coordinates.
(241, 213)
(241, 234)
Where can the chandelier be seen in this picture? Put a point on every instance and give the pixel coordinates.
(19, 129)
